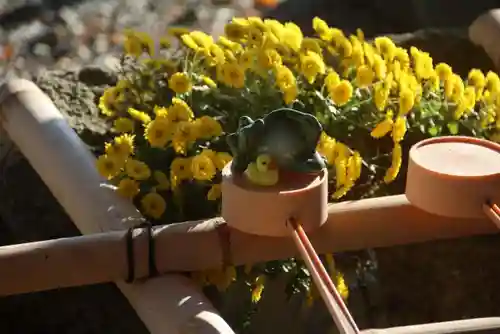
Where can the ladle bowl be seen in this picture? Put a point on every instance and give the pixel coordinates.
(266, 210)
(454, 176)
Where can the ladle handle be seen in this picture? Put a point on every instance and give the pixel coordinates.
(492, 211)
(338, 310)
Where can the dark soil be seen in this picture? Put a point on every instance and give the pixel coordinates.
(418, 283)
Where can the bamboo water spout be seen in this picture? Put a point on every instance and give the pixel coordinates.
(168, 304)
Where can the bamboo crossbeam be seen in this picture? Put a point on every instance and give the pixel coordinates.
(198, 245)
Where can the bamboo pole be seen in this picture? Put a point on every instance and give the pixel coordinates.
(198, 245)
(167, 304)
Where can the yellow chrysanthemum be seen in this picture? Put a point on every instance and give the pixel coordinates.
(107, 101)
(397, 160)
(202, 167)
(406, 101)
(214, 193)
(180, 168)
(153, 205)
(311, 44)
(399, 129)
(108, 167)
(379, 67)
(179, 111)
(332, 80)
(290, 94)
(221, 159)
(322, 29)
(342, 93)
(380, 96)
(443, 71)
(364, 76)
(159, 132)
(139, 115)
(123, 125)
(476, 78)
(233, 75)
(128, 188)
(268, 58)
(386, 47)
(138, 42)
(137, 170)
(235, 31)
(121, 147)
(492, 82)
(162, 180)
(383, 127)
(208, 127)
(311, 64)
(180, 83)
(184, 134)
(284, 78)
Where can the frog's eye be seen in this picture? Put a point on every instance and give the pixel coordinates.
(263, 160)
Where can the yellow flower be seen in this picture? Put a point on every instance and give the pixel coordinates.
(383, 127)
(476, 78)
(202, 39)
(121, 147)
(202, 167)
(492, 82)
(292, 36)
(235, 31)
(214, 193)
(393, 171)
(255, 37)
(247, 59)
(108, 100)
(137, 170)
(380, 96)
(290, 94)
(188, 41)
(311, 64)
(128, 188)
(322, 29)
(221, 159)
(180, 83)
(354, 165)
(406, 101)
(342, 93)
(208, 127)
(269, 58)
(153, 205)
(162, 180)
(139, 115)
(332, 80)
(123, 124)
(379, 67)
(208, 81)
(184, 134)
(181, 168)
(454, 88)
(258, 288)
(385, 47)
(342, 287)
(443, 71)
(158, 132)
(108, 167)
(138, 42)
(284, 78)
(364, 76)
(179, 111)
(229, 44)
(311, 44)
(234, 75)
(399, 129)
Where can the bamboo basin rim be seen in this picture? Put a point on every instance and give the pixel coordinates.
(485, 162)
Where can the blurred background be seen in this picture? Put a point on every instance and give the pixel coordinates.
(64, 34)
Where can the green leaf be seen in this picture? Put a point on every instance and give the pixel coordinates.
(453, 127)
(435, 130)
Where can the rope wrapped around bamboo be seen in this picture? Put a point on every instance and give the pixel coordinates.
(204, 244)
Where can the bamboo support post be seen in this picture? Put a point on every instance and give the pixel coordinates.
(167, 304)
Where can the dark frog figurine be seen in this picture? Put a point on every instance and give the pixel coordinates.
(285, 139)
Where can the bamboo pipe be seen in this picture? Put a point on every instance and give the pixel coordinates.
(168, 304)
(197, 245)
